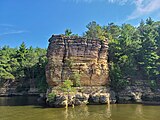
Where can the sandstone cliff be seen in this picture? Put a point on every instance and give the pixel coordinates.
(67, 55)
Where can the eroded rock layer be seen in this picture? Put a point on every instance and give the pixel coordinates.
(67, 55)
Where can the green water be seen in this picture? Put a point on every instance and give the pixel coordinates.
(91, 112)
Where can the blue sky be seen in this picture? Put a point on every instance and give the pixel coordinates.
(34, 21)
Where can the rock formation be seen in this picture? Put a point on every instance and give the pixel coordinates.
(83, 95)
(67, 55)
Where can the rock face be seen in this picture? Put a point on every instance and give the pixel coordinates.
(139, 91)
(13, 88)
(67, 55)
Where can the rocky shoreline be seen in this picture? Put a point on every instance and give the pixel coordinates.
(82, 96)
(91, 96)
(12, 91)
(98, 96)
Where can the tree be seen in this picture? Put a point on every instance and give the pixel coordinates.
(4, 75)
(67, 86)
(118, 82)
(40, 77)
(6, 66)
(95, 31)
(113, 31)
(21, 58)
(24, 65)
(148, 57)
(68, 32)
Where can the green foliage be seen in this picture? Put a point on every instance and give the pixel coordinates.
(51, 97)
(95, 31)
(138, 50)
(75, 78)
(67, 86)
(6, 75)
(40, 73)
(7, 63)
(68, 32)
(26, 65)
(148, 56)
(118, 83)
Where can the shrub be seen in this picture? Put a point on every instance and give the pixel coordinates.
(67, 86)
(51, 97)
(75, 77)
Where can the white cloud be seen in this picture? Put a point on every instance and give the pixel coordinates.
(88, 1)
(121, 2)
(144, 7)
(12, 32)
(7, 29)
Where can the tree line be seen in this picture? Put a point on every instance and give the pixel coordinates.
(25, 65)
(134, 53)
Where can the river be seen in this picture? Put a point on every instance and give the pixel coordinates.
(26, 108)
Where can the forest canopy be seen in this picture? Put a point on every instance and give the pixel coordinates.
(26, 65)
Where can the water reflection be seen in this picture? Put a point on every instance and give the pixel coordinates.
(109, 112)
(88, 112)
(78, 112)
(18, 101)
(91, 112)
(15, 108)
(139, 111)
